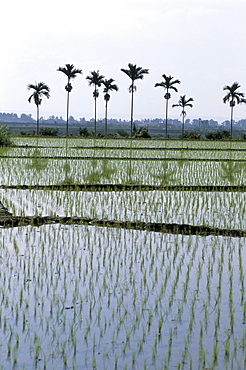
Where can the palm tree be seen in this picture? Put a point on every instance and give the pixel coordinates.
(168, 84)
(183, 103)
(109, 86)
(135, 73)
(71, 72)
(40, 90)
(233, 97)
(95, 79)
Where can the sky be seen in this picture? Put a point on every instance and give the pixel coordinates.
(201, 43)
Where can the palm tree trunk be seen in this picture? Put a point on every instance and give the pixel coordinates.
(132, 109)
(67, 112)
(166, 115)
(37, 120)
(95, 120)
(183, 127)
(231, 120)
(106, 118)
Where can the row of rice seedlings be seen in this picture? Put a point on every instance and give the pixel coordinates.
(214, 311)
(89, 142)
(135, 153)
(217, 209)
(82, 296)
(24, 171)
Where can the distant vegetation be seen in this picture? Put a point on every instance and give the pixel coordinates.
(54, 125)
(196, 123)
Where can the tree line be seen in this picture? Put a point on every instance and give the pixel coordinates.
(39, 90)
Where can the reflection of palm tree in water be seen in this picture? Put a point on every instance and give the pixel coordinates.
(230, 172)
(98, 174)
(229, 169)
(37, 162)
(181, 163)
(129, 172)
(165, 174)
(68, 180)
(3, 149)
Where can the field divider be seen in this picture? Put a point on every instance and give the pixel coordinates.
(170, 228)
(134, 147)
(86, 158)
(128, 187)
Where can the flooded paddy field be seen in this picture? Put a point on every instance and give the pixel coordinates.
(96, 297)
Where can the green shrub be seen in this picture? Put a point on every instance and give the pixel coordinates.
(142, 133)
(27, 133)
(4, 136)
(190, 135)
(84, 132)
(218, 135)
(48, 131)
(122, 132)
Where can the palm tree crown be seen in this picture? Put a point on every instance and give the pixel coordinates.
(40, 90)
(95, 79)
(71, 72)
(233, 97)
(134, 73)
(108, 86)
(168, 84)
(183, 103)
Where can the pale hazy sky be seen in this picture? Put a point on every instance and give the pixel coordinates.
(200, 42)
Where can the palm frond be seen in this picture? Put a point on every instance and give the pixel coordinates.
(134, 72)
(161, 84)
(40, 90)
(70, 71)
(183, 103)
(31, 86)
(233, 95)
(95, 78)
(168, 83)
(109, 85)
(126, 71)
(226, 98)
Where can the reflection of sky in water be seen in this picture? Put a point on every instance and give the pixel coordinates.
(218, 209)
(116, 284)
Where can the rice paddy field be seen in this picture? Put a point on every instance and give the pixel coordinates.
(78, 295)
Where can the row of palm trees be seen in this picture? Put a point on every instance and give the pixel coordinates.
(41, 90)
(96, 79)
(233, 96)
